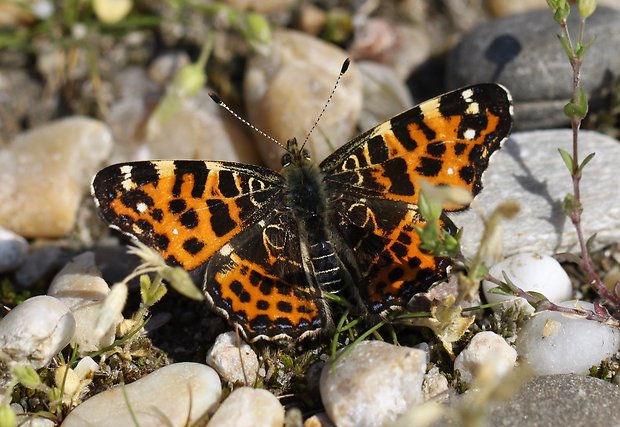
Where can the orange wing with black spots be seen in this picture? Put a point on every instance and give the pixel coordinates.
(230, 217)
(186, 210)
(447, 140)
(374, 184)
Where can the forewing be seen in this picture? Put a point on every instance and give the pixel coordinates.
(447, 140)
(259, 283)
(186, 210)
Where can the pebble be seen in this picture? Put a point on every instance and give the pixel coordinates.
(45, 173)
(286, 90)
(530, 272)
(80, 286)
(223, 356)
(555, 343)
(36, 330)
(13, 250)
(435, 386)
(40, 262)
(318, 420)
(181, 392)
(373, 384)
(523, 52)
(529, 170)
(247, 407)
(485, 350)
(385, 95)
(195, 117)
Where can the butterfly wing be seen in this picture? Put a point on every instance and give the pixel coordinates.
(230, 217)
(447, 140)
(259, 281)
(373, 185)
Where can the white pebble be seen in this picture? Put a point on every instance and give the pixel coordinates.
(224, 358)
(181, 392)
(80, 286)
(36, 330)
(435, 386)
(372, 385)
(530, 272)
(13, 250)
(488, 350)
(248, 406)
(555, 343)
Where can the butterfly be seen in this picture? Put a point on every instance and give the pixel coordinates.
(271, 244)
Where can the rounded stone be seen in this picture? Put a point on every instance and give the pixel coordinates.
(523, 52)
(555, 343)
(248, 406)
(224, 355)
(530, 272)
(80, 286)
(179, 394)
(373, 384)
(485, 350)
(45, 173)
(36, 330)
(13, 250)
(286, 90)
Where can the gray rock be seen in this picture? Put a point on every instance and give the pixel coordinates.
(560, 400)
(248, 406)
(529, 170)
(13, 250)
(233, 359)
(523, 53)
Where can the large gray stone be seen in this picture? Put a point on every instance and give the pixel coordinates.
(529, 170)
(523, 53)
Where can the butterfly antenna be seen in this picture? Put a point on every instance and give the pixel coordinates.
(221, 103)
(343, 70)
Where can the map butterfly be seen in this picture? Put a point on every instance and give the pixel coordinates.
(271, 243)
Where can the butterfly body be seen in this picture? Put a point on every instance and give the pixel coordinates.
(273, 242)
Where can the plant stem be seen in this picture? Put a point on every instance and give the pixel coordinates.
(575, 215)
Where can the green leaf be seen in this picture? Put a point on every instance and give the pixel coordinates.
(256, 30)
(585, 162)
(151, 292)
(27, 376)
(537, 295)
(570, 205)
(499, 291)
(568, 159)
(7, 416)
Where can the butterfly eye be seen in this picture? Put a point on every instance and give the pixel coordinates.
(306, 154)
(286, 159)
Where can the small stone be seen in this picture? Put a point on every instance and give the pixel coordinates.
(176, 395)
(435, 386)
(45, 173)
(529, 170)
(39, 263)
(286, 90)
(373, 384)
(555, 343)
(163, 68)
(262, 6)
(194, 118)
(530, 272)
(80, 286)
(319, 420)
(13, 250)
(488, 350)
(36, 330)
(224, 358)
(385, 95)
(248, 406)
(523, 52)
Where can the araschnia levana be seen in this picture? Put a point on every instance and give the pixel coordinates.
(272, 242)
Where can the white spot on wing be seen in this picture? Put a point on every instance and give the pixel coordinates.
(473, 108)
(175, 231)
(470, 134)
(164, 167)
(450, 171)
(141, 207)
(226, 249)
(467, 94)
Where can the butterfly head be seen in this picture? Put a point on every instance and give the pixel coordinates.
(294, 155)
